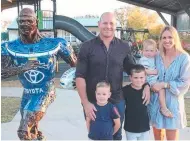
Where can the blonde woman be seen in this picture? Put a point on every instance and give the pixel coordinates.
(173, 64)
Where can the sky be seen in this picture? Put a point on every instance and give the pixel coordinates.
(73, 8)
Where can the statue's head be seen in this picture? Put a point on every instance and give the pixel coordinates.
(27, 22)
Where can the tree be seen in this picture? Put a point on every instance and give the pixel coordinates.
(121, 16)
(88, 16)
(156, 29)
(139, 18)
(4, 36)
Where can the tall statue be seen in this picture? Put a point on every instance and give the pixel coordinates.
(33, 58)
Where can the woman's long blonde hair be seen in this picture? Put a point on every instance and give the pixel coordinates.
(177, 42)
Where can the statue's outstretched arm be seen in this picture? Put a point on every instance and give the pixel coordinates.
(67, 53)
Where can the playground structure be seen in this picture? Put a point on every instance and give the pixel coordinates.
(130, 34)
(49, 22)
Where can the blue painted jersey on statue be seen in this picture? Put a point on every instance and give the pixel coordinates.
(36, 81)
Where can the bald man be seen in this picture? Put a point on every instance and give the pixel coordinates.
(33, 58)
(104, 58)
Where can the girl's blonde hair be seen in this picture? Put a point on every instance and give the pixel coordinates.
(175, 36)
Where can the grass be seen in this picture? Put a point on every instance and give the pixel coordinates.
(187, 109)
(186, 40)
(9, 108)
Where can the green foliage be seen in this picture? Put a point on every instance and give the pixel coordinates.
(4, 36)
(40, 19)
(140, 36)
(185, 40)
(139, 18)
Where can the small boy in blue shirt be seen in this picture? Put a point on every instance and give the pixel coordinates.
(107, 121)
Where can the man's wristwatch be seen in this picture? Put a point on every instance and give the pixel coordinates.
(145, 85)
(166, 85)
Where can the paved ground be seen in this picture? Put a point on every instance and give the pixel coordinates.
(64, 119)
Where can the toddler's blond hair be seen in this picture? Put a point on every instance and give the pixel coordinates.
(149, 42)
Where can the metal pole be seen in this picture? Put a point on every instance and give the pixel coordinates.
(35, 6)
(54, 13)
(174, 21)
(163, 18)
(18, 15)
(39, 4)
(21, 4)
(18, 9)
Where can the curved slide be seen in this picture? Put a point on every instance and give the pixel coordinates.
(74, 27)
